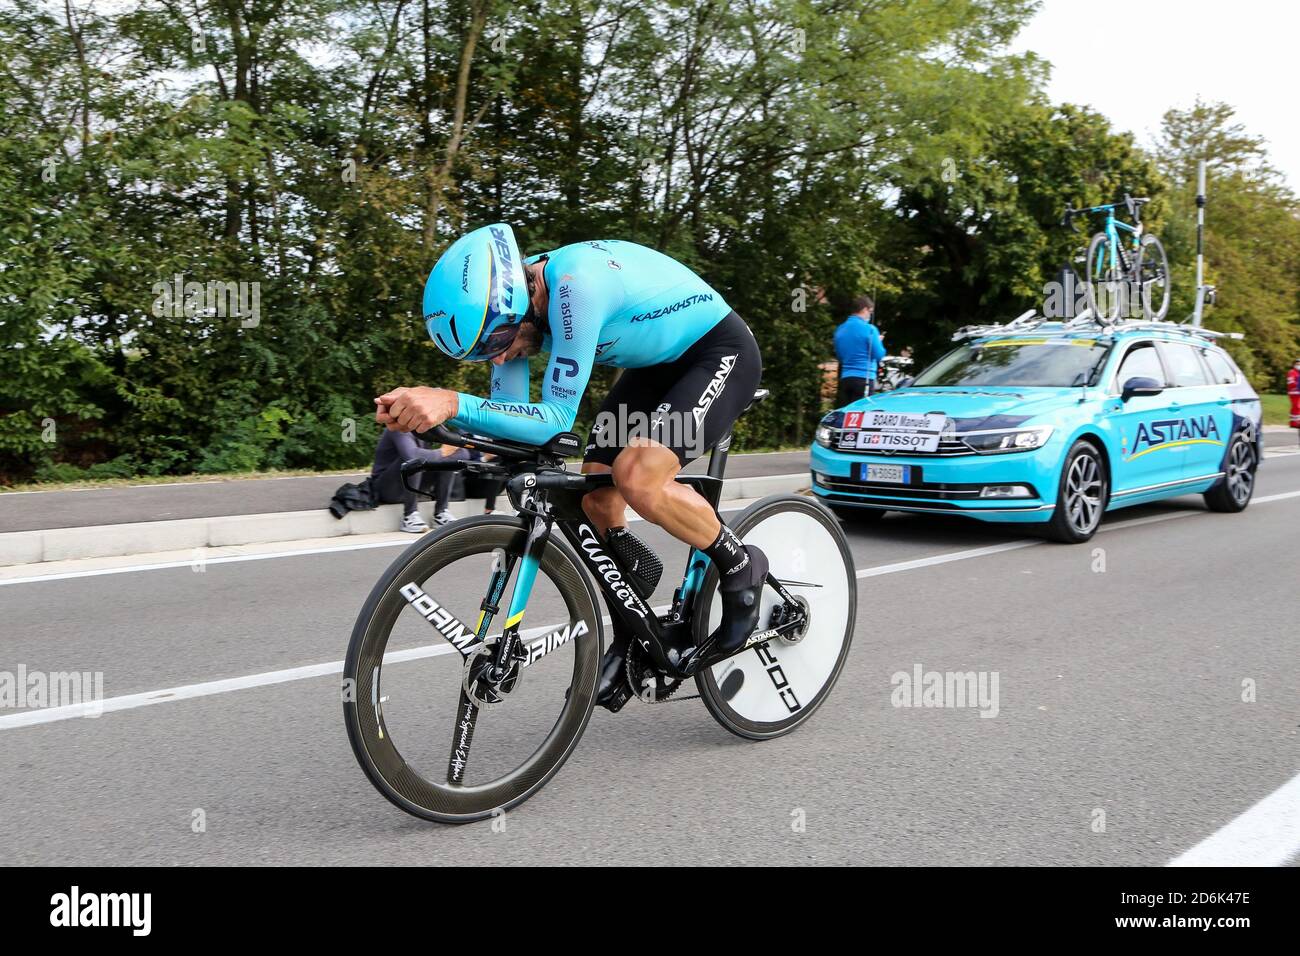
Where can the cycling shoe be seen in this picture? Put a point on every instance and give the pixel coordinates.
(740, 607)
(612, 690)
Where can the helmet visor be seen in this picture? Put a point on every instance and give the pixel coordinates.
(494, 343)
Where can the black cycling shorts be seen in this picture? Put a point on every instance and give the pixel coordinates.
(686, 405)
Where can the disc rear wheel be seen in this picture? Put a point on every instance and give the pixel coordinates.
(771, 688)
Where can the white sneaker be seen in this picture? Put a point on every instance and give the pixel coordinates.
(414, 523)
(444, 517)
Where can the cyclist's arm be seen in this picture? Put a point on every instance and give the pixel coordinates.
(510, 381)
(567, 374)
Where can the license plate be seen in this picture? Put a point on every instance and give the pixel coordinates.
(896, 431)
(891, 474)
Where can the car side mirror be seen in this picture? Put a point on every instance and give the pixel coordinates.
(1140, 385)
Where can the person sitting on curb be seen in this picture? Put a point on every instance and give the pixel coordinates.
(393, 449)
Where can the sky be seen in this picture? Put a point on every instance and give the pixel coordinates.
(1133, 59)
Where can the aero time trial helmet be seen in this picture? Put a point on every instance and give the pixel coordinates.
(476, 295)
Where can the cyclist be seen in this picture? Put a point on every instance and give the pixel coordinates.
(690, 363)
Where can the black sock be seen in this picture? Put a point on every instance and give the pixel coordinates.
(729, 554)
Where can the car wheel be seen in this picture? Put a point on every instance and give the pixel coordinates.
(1081, 495)
(857, 515)
(1234, 491)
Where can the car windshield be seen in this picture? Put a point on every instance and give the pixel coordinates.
(1019, 363)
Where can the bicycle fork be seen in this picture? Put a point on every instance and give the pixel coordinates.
(504, 654)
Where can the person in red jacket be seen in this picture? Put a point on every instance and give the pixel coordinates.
(1293, 390)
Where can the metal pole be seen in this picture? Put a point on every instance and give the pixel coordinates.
(1200, 248)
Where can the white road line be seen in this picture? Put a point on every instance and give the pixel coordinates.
(47, 715)
(946, 558)
(29, 718)
(1268, 834)
(1281, 497)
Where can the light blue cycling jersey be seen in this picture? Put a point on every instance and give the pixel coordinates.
(611, 303)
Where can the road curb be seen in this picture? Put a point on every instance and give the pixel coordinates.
(146, 537)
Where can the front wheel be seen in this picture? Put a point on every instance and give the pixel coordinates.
(771, 688)
(1081, 495)
(1102, 282)
(435, 737)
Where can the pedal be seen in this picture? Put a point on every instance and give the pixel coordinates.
(641, 567)
(615, 700)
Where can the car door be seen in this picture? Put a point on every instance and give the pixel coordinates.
(1225, 380)
(1202, 423)
(1139, 424)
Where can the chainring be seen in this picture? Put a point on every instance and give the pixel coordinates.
(645, 680)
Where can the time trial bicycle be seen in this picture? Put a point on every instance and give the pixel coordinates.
(480, 719)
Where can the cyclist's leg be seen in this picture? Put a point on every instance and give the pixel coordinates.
(634, 394)
(636, 390)
(718, 376)
(713, 382)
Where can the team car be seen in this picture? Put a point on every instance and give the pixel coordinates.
(1052, 423)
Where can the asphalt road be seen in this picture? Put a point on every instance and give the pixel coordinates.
(1120, 700)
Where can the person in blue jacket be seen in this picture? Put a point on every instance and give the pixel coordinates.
(859, 347)
(690, 367)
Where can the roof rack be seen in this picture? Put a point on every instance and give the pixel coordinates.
(1135, 325)
(1021, 323)
(1085, 320)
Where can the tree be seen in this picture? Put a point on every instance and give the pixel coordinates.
(1252, 245)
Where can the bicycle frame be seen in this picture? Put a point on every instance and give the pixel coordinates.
(1112, 228)
(556, 498)
(548, 498)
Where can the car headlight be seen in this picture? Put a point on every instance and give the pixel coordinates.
(824, 436)
(1006, 440)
